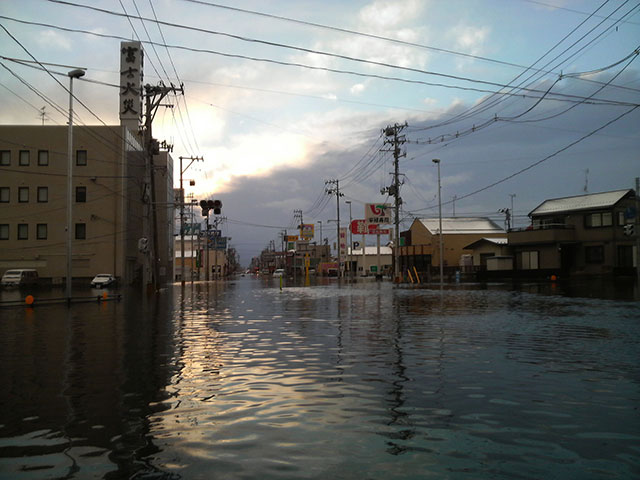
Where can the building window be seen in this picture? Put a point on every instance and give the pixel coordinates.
(621, 219)
(81, 231)
(23, 231)
(5, 158)
(43, 158)
(24, 158)
(81, 158)
(43, 194)
(4, 194)
(530, 260)
(602, 219)
(4, 231)
(23, 194)
(41, 231)
(81, 194)
(594, 254)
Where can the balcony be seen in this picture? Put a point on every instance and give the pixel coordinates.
(549, 233)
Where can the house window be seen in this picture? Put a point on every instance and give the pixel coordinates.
(5, 158)
(602, 219)
(81, 194)
(530, 260)
(81, 231)
(43, 158)
(81, 158)
(24, 158)
(43, 194)
(23, 194)
(4, 231)
(41, 231)
(594, 254)
(621, 219)
(23, 231)
(4, 194)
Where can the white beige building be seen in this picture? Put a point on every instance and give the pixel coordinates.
(107, 201)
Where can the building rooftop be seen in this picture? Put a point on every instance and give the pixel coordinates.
(495, 241)
(580, 202)
(462, 225)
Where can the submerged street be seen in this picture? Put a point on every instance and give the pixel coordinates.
(240, 379)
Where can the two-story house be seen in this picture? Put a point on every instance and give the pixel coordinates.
(584, 234)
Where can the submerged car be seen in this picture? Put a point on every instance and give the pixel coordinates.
(19, 277)
(278, 272)
(103, 280)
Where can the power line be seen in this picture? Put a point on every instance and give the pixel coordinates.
(305, 50)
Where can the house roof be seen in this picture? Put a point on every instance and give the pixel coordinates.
(461, 225)
(495, 241)
(580, 202)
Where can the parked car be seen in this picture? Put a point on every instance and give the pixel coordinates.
(19, 277)
(279, 272)
(103, 280)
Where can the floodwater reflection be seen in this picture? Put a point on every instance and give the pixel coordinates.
(240, 379)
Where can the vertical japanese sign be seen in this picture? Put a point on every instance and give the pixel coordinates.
(291, 240)
(307, 231)
(131, 84)
(377, 213)
(342, 242)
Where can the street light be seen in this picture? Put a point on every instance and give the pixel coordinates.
(72, 74)
(350, 241)
(437, 162)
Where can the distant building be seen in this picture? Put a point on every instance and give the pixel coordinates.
(371, 264)
(487, 248)
(107, 196)
(421, 247)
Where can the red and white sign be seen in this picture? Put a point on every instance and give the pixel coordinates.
(343, 241)
(359, 227)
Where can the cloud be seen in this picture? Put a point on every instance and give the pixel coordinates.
(52, 40)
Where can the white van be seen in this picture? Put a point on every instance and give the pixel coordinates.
(19, 277)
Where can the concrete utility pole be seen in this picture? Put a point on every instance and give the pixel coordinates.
(637, 231)
(513, 214)
(350, 241)
(437, 162)
(182, 170)
(394, 139)
(330, 191)
(72, 74)
(153, 97)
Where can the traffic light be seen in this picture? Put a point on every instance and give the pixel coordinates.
(205, 208)
(629, 229)
(206, 205)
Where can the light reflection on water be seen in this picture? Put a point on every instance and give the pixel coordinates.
(239, 379)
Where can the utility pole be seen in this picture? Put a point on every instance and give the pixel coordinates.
(182, 170)
(637, 231)
(335, 189)
(395, 139)
(513, 215)
(153, 97)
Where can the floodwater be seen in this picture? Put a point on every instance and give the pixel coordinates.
(241, 380)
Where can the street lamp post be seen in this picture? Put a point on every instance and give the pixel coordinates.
(437, 162)
(72, 74)
(350, 242)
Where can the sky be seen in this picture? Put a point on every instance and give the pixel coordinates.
(521, 100)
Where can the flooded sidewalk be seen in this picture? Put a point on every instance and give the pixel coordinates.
(243, 379)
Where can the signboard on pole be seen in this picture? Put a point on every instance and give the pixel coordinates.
(307, 231)
(377, 213)
(359, 227)
(343, 241)
(131, 84)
